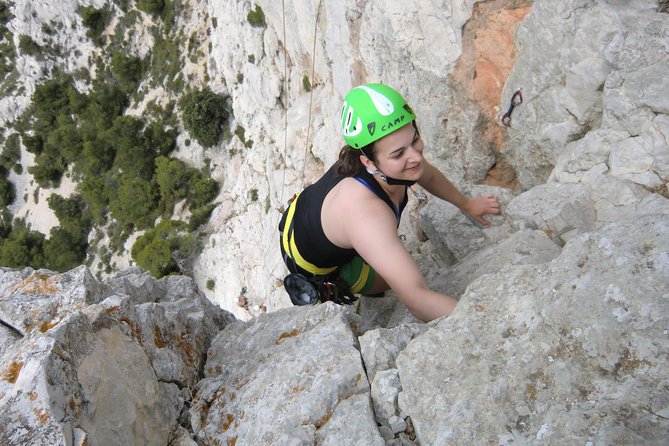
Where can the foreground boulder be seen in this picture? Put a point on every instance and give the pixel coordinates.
(97, 364)
(573, 350)
(290, 377)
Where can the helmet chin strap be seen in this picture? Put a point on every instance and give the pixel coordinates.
(388, 180)
(395, 181)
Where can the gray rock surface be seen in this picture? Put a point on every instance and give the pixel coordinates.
(385, 391)
(561, 333)
(83, 372)
(573, 351)
(284, 377)
(582, 66)
(560, 210)
(524, 247)
(454, 234)
(37, 300)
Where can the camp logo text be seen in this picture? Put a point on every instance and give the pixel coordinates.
(389, 125)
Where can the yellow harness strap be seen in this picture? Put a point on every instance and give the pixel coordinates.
(289, 246)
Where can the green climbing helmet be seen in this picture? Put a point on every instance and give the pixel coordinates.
(372, 111)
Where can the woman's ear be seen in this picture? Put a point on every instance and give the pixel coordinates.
(369, 164)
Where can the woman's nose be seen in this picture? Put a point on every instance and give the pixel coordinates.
(414, 152)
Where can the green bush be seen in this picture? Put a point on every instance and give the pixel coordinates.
(70, 212)
(65, 139)
(211, 284)
(200, 216)
(7, 54)
(22, 247)
(154, 7)
(134, 157)
(64, 250)
(135, 202)
(177, 181)
(202, 190)
(123, 4)
(161, 139)
(7, 191)
(173, 178)
(34, 143)
(204, 114)
(97, 157)
(160, 249)
(5, 13)
(127, 69)
(50, 100)
(48, 169)
(166, 63)
(67, 244)
(96, 20)
(28, 46)
(11, 153)
(95, 193)
(256, 17)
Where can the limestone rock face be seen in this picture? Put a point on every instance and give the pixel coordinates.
(85, 363)
(560, 336)
(582, 67)
(574, 350)
(335, 45)
(37, 300)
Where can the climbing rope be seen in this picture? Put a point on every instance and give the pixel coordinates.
(311, 92)
(285, 129)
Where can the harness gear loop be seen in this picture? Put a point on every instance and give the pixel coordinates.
(516, 100)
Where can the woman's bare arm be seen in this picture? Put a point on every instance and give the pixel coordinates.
(438, 185)
(373, 234)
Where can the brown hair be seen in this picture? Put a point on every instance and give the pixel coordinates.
(349, 163)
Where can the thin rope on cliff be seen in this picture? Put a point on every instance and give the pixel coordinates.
(285, 130)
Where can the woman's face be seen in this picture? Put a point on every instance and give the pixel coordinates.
(400, 154)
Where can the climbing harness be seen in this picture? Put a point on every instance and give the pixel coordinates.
(308, 284)
(516, 100)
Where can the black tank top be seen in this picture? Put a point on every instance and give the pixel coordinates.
(310, 238)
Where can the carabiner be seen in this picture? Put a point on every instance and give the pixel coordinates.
(516, 100)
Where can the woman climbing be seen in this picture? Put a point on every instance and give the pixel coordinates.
(339, 235)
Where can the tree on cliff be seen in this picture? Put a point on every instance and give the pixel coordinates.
(204, 115)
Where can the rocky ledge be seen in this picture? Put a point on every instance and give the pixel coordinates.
(542, 351)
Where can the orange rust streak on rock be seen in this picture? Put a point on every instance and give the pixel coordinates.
(42, 415)
(488, 56)
(229, 419)
(495, 54)
(13, 371)
(323, 421)
(46, 326)
(158, 338)
(288, 334)
(38, 283)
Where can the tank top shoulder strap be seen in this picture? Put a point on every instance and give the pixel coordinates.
(367, 180)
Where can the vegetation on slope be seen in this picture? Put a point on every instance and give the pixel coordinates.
(121, 164)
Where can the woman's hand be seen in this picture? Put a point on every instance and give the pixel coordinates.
(477, 207)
